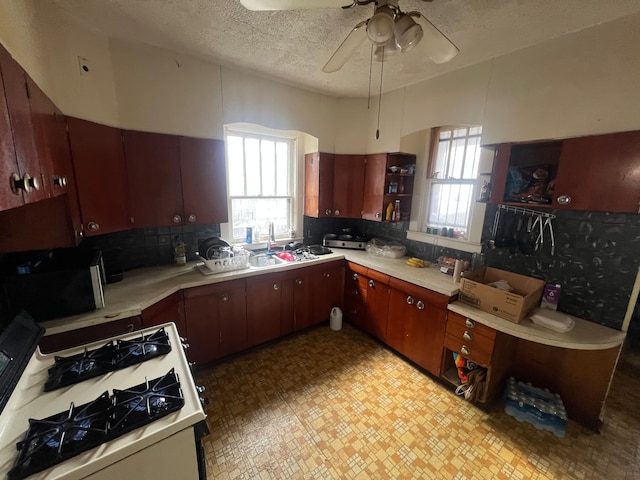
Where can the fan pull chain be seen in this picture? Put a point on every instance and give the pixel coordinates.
(380, 96)
(370, 72)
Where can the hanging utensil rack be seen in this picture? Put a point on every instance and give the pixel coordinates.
(527, 211)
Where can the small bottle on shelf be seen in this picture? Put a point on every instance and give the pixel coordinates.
(396, 212)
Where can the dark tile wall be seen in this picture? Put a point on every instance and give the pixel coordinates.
(595, 261)
(149, 246)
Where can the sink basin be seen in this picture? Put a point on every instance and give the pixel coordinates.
(263, 260)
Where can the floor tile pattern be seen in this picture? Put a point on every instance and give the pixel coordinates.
(339, 405)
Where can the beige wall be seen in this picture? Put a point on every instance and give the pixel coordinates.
(583, 83)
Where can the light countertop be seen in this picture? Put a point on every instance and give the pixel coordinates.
(584, 336)
(144, 287)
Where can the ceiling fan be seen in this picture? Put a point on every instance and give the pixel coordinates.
(390, 30)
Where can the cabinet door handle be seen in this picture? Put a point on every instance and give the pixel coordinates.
(355, 276)
(224, 297)
(468, 336)
(130, 327)
(327, 211)
(378, 215)
(177, 219)
(30, 182)
(372, 283)
(191, 218)
(336, 212)
(420, 305)
(469, 323)
(93, 226)
(60, 181)
(276, 286)
(410, 300)
(563, 200)
(355, 292)
(327, 275)
(465, 350)
(298, 281)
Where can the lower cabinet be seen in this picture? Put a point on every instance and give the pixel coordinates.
(367, 299)
(169, 309)
(216, 320)
(416, 324)
(73, 338)
(483, 345)
(265, 296)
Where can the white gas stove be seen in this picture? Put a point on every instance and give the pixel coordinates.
(164, 447)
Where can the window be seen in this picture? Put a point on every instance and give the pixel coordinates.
(455, 157)
(261, 184)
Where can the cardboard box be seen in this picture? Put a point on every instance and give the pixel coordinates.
(512, 306)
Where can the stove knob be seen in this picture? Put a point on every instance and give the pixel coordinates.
(204, 401)
(185, 346)
(192, 366)
(200, 388)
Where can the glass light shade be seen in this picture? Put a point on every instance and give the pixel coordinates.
(380, 27)
(407, 33)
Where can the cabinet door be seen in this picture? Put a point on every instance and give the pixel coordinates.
(101, 176)
(203, 326)
(153, 166)
(355, 294)
(374, 183)
(500, 171)
(400, 309)
(600, 173)
(43, 121)
(9, 197)
(17, 97)
(169, 309)
(318, 191)
(232, 309)
(377, 305)
(204, 180)
(306, 285)
(264, 298)
(348, 186)
(331, 291)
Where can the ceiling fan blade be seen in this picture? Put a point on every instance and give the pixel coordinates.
(439, 48)
(264, 5)
(347, 48)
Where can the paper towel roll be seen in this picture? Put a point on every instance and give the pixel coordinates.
(457, 271)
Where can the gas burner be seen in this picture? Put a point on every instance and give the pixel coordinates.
(145, 403)
(108, 358)
(62, 436)
(131, 352)
(77, 368)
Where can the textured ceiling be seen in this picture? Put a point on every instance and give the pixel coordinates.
(293, 46)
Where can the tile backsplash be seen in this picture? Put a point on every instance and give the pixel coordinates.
(146, 247)
(595, 259)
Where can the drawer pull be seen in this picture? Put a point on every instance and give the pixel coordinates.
(130, 327)
(372, 283)
(469, 323)
(420, 305)
(410, 300)
(467, 336)
(465, 350)
(355, 276)
(224, 297)
(276, 286)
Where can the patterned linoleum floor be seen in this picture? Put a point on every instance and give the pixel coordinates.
(338, 405)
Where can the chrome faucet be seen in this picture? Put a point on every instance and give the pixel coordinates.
(272, 237)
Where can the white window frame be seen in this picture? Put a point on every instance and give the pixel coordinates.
(418, 225)
(300, 143)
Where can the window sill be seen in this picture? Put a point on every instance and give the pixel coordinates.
(455, 243)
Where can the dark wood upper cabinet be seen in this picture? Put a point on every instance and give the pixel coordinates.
(101, 176)
(348, 186)
(204, 180)
(318, 191)
(155, 185)
(600, 173)
(595, 173)
(9, 197)
(17, 101)
(374, 185)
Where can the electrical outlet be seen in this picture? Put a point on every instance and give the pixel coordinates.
(84, 65)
